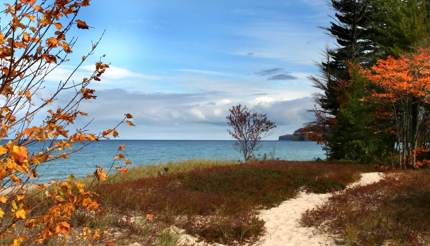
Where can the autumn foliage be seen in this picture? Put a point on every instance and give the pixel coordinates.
(34, 41)
(403, 85)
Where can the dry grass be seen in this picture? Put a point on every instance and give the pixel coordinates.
(218, 202)
(395, 211)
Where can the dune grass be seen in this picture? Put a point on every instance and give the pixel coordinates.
(217, 202)
(397, 212)
(155, 170)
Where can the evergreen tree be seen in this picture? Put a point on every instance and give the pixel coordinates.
(350, 28)
(400, 25)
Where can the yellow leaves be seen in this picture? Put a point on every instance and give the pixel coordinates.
(20, 214)
(18, 211)
(82, 24)
(100, 174)
(17, 241)
(19, 153)
(127, 162)
(1, 213)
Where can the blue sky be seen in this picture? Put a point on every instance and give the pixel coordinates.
(179, 65)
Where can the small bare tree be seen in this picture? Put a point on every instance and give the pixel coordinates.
(248, 128)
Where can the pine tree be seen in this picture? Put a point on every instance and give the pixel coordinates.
(350, 28)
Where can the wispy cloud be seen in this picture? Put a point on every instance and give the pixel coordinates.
(276, 74)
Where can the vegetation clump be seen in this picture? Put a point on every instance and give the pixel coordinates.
(395, 212)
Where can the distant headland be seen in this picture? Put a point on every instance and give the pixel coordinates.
(299, 135)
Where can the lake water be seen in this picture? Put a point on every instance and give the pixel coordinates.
(145, 152)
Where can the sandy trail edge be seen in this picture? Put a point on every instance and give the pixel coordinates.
(283, 222)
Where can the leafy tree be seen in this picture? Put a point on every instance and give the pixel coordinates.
(248, 129)
(405, 86)
(34, 42)
(365, 31)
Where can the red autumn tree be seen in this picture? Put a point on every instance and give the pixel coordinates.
(404, 84)
(35, 40)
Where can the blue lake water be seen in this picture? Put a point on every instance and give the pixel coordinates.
(146, 152)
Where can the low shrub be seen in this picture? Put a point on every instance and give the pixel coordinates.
(394, 211)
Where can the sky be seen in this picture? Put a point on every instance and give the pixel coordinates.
(179, 65)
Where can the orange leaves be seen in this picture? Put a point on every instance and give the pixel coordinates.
(82, 24)
(128, 121)
(28, 1)
(66, 47)
(58, 26)
(83, 137)
(112, 132)
(19, 153)
(119, 156)
(122, 170)
(49, 58)
(404, 76)
(88, 93)
(62, 228)
(35, 35)
(52, 42)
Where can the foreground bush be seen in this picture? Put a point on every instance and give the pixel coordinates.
(394, 212)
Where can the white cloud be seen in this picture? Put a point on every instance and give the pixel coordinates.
(189, 113)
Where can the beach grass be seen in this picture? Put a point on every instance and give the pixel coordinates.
(173, 167)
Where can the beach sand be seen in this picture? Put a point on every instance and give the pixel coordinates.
(283, 222)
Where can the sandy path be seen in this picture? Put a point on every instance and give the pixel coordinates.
(283, 222)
